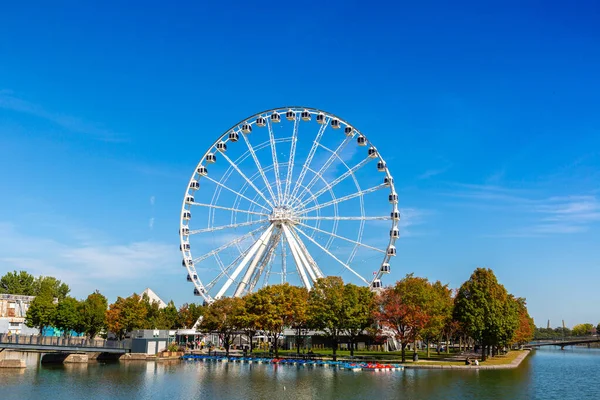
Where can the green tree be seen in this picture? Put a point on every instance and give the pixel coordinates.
(126, 315)
(188, 314)
(20, 283)
(168, 317)
(485, 310)
(325, 308)
(93, 313)
(247, 318)
(439, 310)
(583, 329)
(221, 317)
(40, 313)
(57, 289)
(68, 315)
(153, 314)
(358, 306)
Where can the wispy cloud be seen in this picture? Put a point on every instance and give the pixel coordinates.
(433, 172)
(544, 215)
(86, 266)
(9, 101)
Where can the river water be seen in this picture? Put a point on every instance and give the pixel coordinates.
(546, 374)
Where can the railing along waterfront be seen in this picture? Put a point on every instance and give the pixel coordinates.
(61, 341)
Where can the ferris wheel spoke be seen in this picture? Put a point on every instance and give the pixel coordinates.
(239, 171)
(260, 168)
(345, 198)
(231, 226)
(334, 155)
(383, 218)
(236, 193)
(295, 250)
(255, 247)
(331, 255)
(228, 209)
(343, 238)
(309, 158)
(275, 162)
(290, 171)
(339, 179)
(227, 245)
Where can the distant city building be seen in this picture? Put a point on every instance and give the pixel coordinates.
(154, 297)
(12, 314)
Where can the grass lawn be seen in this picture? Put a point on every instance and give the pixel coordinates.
(433, 358)
(387, 355)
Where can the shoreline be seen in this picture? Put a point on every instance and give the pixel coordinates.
(513, 364)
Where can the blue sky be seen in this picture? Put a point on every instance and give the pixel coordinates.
(487, 115)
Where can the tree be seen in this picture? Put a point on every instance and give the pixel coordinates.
(403, 309)
(525, 329)
(188, 314)
(40, 313)
(583, 329)
(485, 310)
(68, 316)
(153, 317)
(20, 283)
(358, 307)
(276, 307)
(57, 289)
(168, 317)
(220, 317)
(438, 306)
(247, 319)
(325, 308)
(598, 329)
(93, 313)
(298, 314)
(126, 315)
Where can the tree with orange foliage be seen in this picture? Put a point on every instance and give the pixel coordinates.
(526, 328)
(125, 315)
(403, 309)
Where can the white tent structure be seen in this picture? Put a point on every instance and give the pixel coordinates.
(154, 297)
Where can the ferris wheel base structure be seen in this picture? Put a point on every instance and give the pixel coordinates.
(282, 196)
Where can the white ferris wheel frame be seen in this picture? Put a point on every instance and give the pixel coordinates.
(257, 257)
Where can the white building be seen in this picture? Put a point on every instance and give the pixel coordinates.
(12, 314)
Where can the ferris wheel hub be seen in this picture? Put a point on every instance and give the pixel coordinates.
(283, 214)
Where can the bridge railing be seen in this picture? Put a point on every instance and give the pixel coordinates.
(61, 341)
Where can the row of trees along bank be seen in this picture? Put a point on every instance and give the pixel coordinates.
(53, 307)
(413, 309)
(481, 310)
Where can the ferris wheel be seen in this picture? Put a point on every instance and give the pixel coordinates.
(291, 194)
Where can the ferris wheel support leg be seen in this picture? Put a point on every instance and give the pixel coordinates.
(266, 234)
(310, 261)
(261, 250)
(297, 259)
(303, 255)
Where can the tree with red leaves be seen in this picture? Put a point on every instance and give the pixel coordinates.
(403, 309)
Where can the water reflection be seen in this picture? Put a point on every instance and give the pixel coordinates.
(547, 374)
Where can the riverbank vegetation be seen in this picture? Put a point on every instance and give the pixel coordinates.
(480, 313)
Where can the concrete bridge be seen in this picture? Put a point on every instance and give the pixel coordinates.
(61, 349)
(570, 341)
